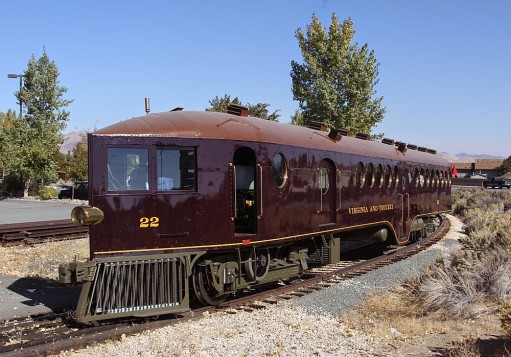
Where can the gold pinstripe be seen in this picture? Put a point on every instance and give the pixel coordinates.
(251, 242)
(386, 223)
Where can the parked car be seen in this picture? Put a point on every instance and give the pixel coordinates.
(79, 191)
(497, 182)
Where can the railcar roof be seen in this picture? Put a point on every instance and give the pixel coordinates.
(214, 125)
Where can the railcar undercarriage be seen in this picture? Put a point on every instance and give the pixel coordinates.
(137, 286)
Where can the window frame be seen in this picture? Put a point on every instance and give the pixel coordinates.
(280, 176)
(179, 149)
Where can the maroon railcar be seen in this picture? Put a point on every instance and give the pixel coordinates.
(207, 204)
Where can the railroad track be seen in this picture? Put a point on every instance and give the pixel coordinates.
(39, 232)
(52, 334)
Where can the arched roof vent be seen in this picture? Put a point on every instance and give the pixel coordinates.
(317, 125)
(238, 110)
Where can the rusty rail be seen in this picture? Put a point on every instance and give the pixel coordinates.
(39, 232)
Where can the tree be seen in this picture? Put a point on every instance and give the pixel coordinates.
(335, 84)
(259, 110)
(505, 167)
(6, 123)
(35, 138)
(77, 160)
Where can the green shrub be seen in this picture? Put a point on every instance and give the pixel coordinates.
(47, 193)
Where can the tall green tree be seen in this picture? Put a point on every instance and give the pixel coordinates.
(36, 136)
(335, 83)
(259, 110)
(77, 160)
(6, 123)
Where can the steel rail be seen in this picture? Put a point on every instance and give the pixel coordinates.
(40, 232)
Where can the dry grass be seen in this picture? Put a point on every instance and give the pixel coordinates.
(456, 300)
(399, 317)
(41, 260)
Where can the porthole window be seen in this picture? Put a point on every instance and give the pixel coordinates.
(279, 170)
(361, 177)
(388, 175)
(370, 175)
(422, 178)
(378, 176)
(395, 176)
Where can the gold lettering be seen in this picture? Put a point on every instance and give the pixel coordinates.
(368, 209)
(386, 207)
(358, 210)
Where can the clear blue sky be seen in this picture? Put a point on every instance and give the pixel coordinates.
(444, 65)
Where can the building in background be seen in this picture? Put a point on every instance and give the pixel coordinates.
(479, 167)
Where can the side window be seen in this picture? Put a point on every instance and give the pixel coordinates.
(416, 177)
(360, 174)
(324, 185)
(279, 170)
(127, 169)
(378, 176)
(370, 175)
(395, 176)
(388, 175)
(175, 169)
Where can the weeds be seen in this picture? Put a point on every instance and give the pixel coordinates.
(471, 283)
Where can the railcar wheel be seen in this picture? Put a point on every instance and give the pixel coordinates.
(257, 265)
(205, 293)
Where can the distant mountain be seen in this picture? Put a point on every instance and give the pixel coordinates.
(70, 141)
(464, 157)
(480, 156)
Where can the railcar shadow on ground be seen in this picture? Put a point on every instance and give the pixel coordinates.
(47, 293)
(489, 346)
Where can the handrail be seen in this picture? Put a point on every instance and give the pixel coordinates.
(260, 190)
(235, 188)
(339, 188)
(402, 208)
(320, 191)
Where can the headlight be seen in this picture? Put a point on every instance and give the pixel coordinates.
(86, 215)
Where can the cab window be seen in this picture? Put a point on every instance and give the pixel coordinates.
(127, 169)
(175, 169)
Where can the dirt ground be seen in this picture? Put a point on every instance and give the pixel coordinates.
(434, 334)
(41, 260)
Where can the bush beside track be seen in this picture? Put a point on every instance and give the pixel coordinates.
(461, 294)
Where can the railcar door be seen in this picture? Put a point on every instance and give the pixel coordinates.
(245, 192)
(404, 205)
(326, 192)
